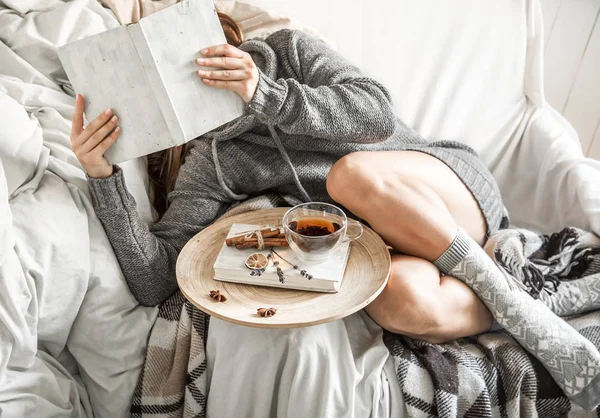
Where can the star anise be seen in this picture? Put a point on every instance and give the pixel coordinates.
(266, 312)
(216, 295)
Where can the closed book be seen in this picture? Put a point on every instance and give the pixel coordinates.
(146, 72)
(327, 276)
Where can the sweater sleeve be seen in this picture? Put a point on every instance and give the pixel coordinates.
(326, 98)
(147, 255)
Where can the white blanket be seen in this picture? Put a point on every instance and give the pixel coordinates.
(72, 338)
(333, 370)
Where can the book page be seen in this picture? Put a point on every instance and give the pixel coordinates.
(175, 37)
(106, 70)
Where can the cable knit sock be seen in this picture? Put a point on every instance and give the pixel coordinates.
(571, 359)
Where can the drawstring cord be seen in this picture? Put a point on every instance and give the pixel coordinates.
(220, 177)
(282, 151)
(286, 157)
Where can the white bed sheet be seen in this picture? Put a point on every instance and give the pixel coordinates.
(72, 338)
(333, 370)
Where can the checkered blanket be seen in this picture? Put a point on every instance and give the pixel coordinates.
(484, 376)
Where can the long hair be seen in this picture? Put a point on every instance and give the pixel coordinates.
(163, 166)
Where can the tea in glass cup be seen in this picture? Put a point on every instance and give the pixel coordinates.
(315, 230)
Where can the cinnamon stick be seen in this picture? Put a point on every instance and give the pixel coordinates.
(240, 238)
(269, 242)
(255, 240)
(266, 233)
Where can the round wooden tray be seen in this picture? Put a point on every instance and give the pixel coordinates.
(366, 275)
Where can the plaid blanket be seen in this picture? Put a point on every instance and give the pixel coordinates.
(491, 375)
(483, 376)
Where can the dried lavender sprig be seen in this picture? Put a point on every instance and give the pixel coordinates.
(280, 275)
(303, 273)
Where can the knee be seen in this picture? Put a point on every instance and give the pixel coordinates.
(362, 175)
(352, 176)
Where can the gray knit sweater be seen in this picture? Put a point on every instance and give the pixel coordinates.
(316, 105)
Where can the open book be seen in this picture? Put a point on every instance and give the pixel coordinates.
(327, 276)
(146, 72)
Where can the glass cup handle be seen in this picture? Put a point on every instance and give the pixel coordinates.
(359, 230)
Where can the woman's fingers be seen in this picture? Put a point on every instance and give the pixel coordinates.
(238, 72)
(227, 63)
(225, 49)
(93, 127)
(90, 144)
(103, 146)
(77, 119)
(99, 136)
(227, 75)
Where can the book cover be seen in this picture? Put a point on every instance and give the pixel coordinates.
(327, 276)
(146, 73)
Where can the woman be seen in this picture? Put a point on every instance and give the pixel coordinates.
(314, 129)
(311, 125)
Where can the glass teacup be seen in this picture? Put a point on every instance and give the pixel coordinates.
(315, 230)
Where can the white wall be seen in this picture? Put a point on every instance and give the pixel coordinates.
(572, 66)
(331, 18)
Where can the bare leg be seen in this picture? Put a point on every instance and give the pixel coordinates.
(417, 302)
(416, 203)
(413, 200)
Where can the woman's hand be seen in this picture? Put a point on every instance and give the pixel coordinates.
(90, 144)
(238, 73)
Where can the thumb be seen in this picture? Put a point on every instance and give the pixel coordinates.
(77, 120)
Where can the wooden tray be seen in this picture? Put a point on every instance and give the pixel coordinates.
(366, 275)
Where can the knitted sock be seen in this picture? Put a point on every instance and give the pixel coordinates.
(571, 359)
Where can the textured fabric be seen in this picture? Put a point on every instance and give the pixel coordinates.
(486, 376)
(322, 107)
(172, 382)
(454, 254)
(550, 267)
(489, 375)
(571, 359)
